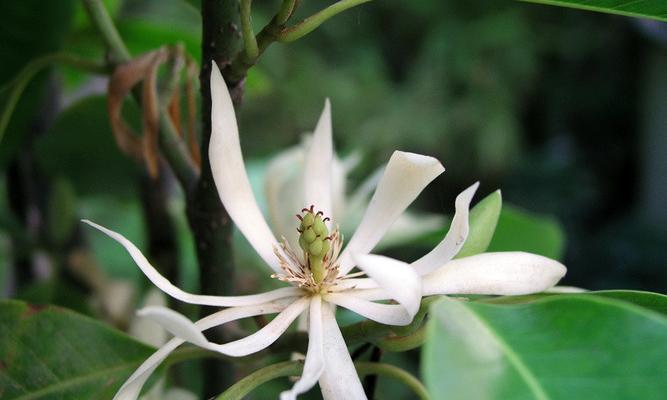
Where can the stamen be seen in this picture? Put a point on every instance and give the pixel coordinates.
(299, 217)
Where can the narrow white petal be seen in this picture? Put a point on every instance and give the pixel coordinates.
(395, 277)
(566, 289)
(263, 337)
(283, 187)
(406, 175)
(314, 364)
(455, 238)
(318, 172)
(390, 314)
(339, 380)
(508, 273)
(354, 283)
(175, 323)
(169, 288)
(132, 387)
(338, 188)
(230, 176)
(371, 294)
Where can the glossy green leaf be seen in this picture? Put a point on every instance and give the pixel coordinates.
(483, 220)
(655, 9)
(52, 353)
(519, 230)
(582, 346)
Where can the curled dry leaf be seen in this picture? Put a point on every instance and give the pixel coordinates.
(150, 113)
(125, 77)
(145, 68)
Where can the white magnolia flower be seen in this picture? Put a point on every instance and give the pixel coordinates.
(284, 192)
(319, 274)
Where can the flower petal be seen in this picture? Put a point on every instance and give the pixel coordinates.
(508, 273)
(404, 178)
(390, 314)
(283, 187)
(339, 380)
(175, 323)
(132, 387)
(455, 238)
(249, 344)
(318, 172)
(371, 294)
(175, 292)
(265, 336)
(354, 283)
(230, 176)
(314, 364)
(395, 277)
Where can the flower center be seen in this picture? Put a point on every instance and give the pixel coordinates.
(316, 268)
(314, 240)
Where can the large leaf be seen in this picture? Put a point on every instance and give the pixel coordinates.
(583, 346)
(52, 353)
(655, 9)
(519, 230)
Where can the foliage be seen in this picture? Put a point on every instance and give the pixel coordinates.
(544, 102)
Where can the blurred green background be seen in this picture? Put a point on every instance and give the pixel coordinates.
(565, 111)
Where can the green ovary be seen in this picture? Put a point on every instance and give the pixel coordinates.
(314, 243)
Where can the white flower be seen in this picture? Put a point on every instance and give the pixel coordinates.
(320, 275)
(284, 188)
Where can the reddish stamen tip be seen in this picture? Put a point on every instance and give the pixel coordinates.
(320, 213)
(326, 219)
(299, 217)
(299, 230)
(304, 210)
(312, 208)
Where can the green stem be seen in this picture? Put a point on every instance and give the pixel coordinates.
(285, 12)
(102, 20)
(403, 343)
(19, 83)
(311, 23)
(367, 368)
(249, 39)
(294, 368)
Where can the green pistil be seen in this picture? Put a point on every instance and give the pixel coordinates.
(314, 242)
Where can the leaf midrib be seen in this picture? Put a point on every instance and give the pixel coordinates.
(516, 361)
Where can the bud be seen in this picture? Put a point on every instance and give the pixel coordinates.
(314, 241)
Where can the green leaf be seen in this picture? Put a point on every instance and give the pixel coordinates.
(483, 220)
(654, 9)
(582, 346)
(52, 353)
(519, 230)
